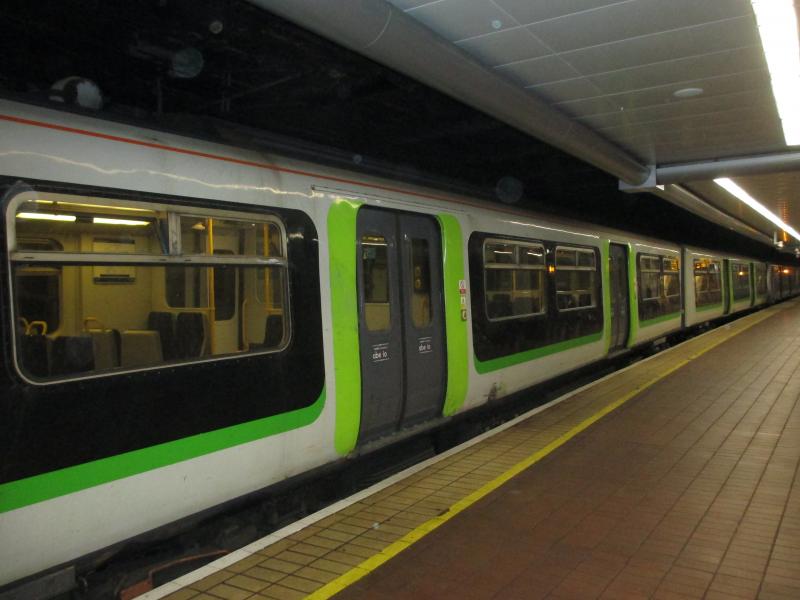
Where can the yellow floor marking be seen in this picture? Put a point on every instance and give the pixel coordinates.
(372, 563)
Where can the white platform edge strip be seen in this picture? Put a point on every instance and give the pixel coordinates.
(242, 553)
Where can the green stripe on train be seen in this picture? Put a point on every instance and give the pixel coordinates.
(504, 362)
(457, 352)
(605, 274)
(46, 486)
(633, 298)
(344, 312)
(717, 306)
(660, 319)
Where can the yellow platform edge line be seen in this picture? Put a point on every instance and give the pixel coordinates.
(367, 566)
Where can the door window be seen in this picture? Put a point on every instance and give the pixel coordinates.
(741, 280)
(707, 289)
(375, 265)
(421, 283)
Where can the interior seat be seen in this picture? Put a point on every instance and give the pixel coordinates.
(190, 334)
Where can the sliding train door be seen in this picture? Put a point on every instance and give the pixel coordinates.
(620, 298)
(726, 286)
(401, 320)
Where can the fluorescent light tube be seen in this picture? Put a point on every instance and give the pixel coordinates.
(46, 216)
(107, 221)
(734, 189)
(777, 26)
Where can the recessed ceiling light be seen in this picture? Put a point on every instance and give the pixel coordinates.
(742, 195)
(689, 92)
(777, 26)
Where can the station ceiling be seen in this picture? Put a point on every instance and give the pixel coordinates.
(269, 76)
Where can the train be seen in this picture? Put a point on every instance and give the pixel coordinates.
(184, 322)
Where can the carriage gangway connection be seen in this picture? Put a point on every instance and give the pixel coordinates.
(676, 477)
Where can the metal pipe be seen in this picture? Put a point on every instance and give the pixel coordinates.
(687, 200)
(383, 33)
(729, 167)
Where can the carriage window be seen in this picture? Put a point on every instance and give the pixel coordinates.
(127, 285)
(514, 279)
(375, 271)
(421, 283)
(672, 281)
(707, 288)
(761, 279)
(575, 276)
(740, 275)
(650, 277)
(659, 285)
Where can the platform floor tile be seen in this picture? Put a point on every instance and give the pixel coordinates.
(690, 490)
(687, 488)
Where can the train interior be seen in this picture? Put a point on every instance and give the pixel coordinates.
(102, 285)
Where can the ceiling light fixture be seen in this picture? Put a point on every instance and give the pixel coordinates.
(777, 26)
(734, 189)
(46, 216)
(107, 221)
(100, 207)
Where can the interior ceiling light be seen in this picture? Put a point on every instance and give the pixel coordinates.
(777, 26)
(107, 221)
(734, 189)
(99, 207)
(46, 216)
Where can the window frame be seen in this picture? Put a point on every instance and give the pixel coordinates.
(705, 272)
(576, 267)
(735, 267)
(516, 265)
(362, 280)
(670, 273)
(510, 337)
(426, 286)
(659, 272)
(170, 256)
(658, 305)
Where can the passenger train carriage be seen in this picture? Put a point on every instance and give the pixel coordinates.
(184, 323)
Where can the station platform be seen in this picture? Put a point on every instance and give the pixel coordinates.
(674, 478)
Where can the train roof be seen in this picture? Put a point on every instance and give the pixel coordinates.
(330, 178)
